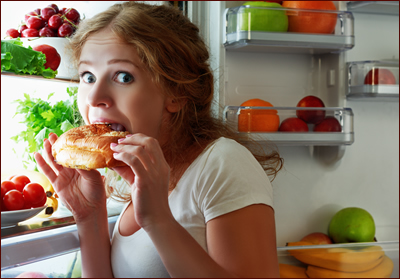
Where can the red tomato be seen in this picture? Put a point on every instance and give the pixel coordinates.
(3, 208)
(6, 186)
(11, 177)
(13, 200)
(20, 181)
(379, 76)
(34, 194)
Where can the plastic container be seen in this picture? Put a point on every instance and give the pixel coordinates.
(343, 137)
(65, 70)
(373, 80)
(350, 260)
(243, 35)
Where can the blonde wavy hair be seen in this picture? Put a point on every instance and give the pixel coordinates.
(170, 47)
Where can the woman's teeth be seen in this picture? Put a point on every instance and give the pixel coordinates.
(115, 126)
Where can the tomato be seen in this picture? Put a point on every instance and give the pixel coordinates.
(11, 177)
(13, 200)
(6, 186)
(35, 194)
(20, 181)
(379, 76)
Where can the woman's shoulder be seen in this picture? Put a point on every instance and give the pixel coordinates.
(225, 148)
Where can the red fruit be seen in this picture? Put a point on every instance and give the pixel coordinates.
(35, 22)
(63, 10)
(53, 59)
(379, 76)
(22, 28)
(13, 200)
(28, 15)
(46, 32)
(30, 32)
(65, 30)
(329, 124)
(6, 186)
(72, 14)
(37, 11)
(293, 124)
(47, 13)
(55, 7)
(55, 22)
(34, 195)
(20, 181)
(13, 33)
(317, 238)
(311, 116)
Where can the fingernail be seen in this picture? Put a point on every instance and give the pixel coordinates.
(128, 135)
(113, 144)
(119, 140)
(51, 133)
(44, 140)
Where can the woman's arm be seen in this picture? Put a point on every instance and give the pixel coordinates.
(240, 244)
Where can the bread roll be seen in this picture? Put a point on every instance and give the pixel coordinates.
(87, 147)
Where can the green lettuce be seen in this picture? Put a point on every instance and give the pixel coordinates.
(21, 60)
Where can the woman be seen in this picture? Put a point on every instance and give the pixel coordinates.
(200, 203)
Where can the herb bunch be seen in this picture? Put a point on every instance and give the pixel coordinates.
(42, 118)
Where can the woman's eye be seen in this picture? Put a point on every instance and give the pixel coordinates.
(88, 77)
(123, 77)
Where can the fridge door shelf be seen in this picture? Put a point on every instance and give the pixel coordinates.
(310, 138)
(348, 256)
(374, 7)
(241, 35)
(373, 80)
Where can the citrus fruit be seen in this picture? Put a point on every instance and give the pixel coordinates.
(263, 19)
(258, 120)
(311, 22)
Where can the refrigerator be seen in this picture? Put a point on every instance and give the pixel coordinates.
(323, 172)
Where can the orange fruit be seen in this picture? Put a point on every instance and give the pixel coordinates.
(311, 22)
(258, 120)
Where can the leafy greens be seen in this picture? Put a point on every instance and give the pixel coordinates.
(21, 60)
(42, 118)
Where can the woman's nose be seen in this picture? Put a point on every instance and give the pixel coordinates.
(99, 96)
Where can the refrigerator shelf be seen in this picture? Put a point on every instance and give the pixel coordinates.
(242, 35)
(374, 7)
(310, 138)
(373, 80)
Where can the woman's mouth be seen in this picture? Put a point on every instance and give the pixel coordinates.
(114, 126)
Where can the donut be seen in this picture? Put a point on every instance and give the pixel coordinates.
(87, 147)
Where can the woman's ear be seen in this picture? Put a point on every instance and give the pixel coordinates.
(174, 105)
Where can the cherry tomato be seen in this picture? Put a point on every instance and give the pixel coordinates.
(11, 177)
(3, 207)
(13, 200)
(20, 181)
(6, 186)
(35, 194)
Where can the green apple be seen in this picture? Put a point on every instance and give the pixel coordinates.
(352, 224)
(263, 19)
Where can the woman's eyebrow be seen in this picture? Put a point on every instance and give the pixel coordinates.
(113, 61)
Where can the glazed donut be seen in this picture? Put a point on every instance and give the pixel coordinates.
(87, 147)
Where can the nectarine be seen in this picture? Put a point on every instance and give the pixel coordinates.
(53, 58)
(317, 238)
(329, 124)
(379, 76)
(293, 124)
(311, 116)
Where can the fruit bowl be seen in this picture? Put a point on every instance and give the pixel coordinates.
(65, 70)
(12, 218)
(373, 79)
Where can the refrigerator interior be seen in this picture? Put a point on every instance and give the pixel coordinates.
(316, 181)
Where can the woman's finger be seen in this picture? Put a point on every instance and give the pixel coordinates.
(136, 151)
(46, 169)
(49, 156)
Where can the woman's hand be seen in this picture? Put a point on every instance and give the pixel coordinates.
(148, 174)
(82, 192)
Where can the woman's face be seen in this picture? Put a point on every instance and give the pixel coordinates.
(115, 88)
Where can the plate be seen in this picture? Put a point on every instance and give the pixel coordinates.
(12, 218)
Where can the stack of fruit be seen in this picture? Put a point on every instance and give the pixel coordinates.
(267, 17)
(47, 22)
(27, 189)
(350, 224)
(318, 118)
